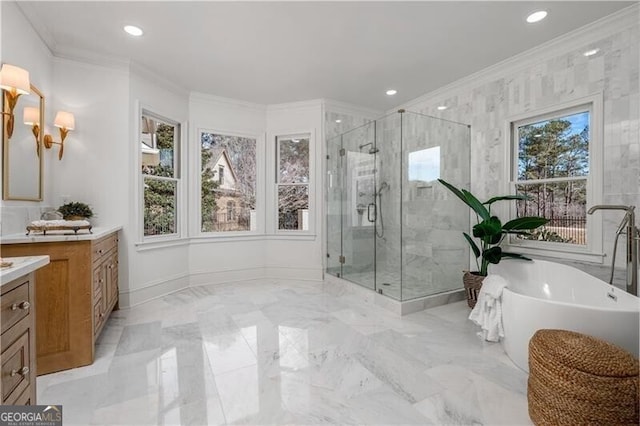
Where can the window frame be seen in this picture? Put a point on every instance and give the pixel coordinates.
(197, 177)
(179, 137)
(593, 250)
(310, 184)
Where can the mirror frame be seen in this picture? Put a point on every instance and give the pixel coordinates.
(6, 195)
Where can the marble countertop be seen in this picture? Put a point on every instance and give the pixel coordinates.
(21, 266)
(55, 236)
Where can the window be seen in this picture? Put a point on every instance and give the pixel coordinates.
(293, 182)
(228, 200)
(159, 142)
(552, 165)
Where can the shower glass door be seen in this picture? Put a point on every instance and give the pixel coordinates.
(359, 210)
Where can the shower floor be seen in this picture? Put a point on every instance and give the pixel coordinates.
(389, 283)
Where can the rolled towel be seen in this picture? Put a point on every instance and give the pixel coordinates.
(488, 310)
(57, 223)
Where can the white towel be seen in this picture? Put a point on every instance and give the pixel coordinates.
(488, 310)
(54, 223)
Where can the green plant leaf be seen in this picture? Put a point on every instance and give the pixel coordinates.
(514, 256)
(506, 197)
(527, 222)
(492, 255)
(468, 199)
(476, 205)
(473, 245)
(490, 229)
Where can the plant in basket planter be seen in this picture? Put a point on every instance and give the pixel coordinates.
(491, 233)
(75, 211)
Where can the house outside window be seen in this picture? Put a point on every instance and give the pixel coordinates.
(159, 153)
(292, 184)
(553, 158)
(228, 200)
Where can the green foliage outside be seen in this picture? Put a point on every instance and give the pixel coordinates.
(160, 194)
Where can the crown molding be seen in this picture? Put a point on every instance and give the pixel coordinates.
(30, 13)
(340, 107)
(309, 104)
(86, 56)
(229, 102)
(154, 78)
(573, 40)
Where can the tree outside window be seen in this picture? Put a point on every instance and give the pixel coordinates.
(228, 183)
(159, 146)
(293, 182)
(552, 170)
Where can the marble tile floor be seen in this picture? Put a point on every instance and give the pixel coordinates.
(287, 352)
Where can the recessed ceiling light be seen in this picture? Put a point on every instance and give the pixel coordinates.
(133, 30)
(442, 107)
(537, 135)
(537, 16)
(391, 92)
(338, 121)
(591, 52)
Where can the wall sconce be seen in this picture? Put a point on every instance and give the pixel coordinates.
(14, 81)
(32, 118)
(65, 121)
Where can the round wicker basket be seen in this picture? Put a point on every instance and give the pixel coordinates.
(577, 379)
(472, 284)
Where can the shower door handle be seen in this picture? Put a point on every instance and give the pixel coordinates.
(370, 210)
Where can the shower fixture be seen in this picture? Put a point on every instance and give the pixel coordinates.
(372, 150)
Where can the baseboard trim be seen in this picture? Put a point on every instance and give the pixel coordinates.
(137, 296)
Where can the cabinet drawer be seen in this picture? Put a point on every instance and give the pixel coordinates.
(15, 368)
(103, 246)
(14, 306)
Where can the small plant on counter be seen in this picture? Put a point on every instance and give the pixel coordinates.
(490, 230)
(75, 210)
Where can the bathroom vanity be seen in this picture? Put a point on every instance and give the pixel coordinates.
(76, 293)
(17, 321)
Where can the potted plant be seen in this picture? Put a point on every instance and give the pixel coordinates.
(75, 211)
(491, 233)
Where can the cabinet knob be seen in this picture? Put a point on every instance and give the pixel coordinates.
(100, 251)
(22, 371)
(101, 281)
(22, 305)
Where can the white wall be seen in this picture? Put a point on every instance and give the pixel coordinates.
(295, 256)
(220, 259)
(21, 46)
(152, 271)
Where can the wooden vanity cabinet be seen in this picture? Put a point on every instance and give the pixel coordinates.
(18, 360)
(76, 293)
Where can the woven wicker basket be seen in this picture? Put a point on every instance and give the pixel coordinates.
(576, 379)
(472, 284)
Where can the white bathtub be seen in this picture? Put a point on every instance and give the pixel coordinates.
(551, 295)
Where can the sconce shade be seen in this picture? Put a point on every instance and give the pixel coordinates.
(31, 116)
(15, 78)
(65, 120)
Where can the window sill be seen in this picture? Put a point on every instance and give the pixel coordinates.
(222, 238)
(161, 243)
(292, 236)
(563, 253)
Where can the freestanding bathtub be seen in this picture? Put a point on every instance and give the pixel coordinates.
(551, 295)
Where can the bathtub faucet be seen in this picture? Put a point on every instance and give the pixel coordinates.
(628, 226)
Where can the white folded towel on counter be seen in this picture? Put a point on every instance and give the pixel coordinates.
(55, 223)
(488, 310)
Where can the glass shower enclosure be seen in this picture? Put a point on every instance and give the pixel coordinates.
(391, 226)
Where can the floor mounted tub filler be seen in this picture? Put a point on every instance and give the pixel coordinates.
(551, 295)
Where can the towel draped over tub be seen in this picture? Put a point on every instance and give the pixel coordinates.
(488, 310)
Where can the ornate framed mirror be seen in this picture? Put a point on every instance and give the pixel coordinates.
(22, 153)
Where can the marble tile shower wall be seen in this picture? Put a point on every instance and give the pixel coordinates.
(614, 72)
(421, 245)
